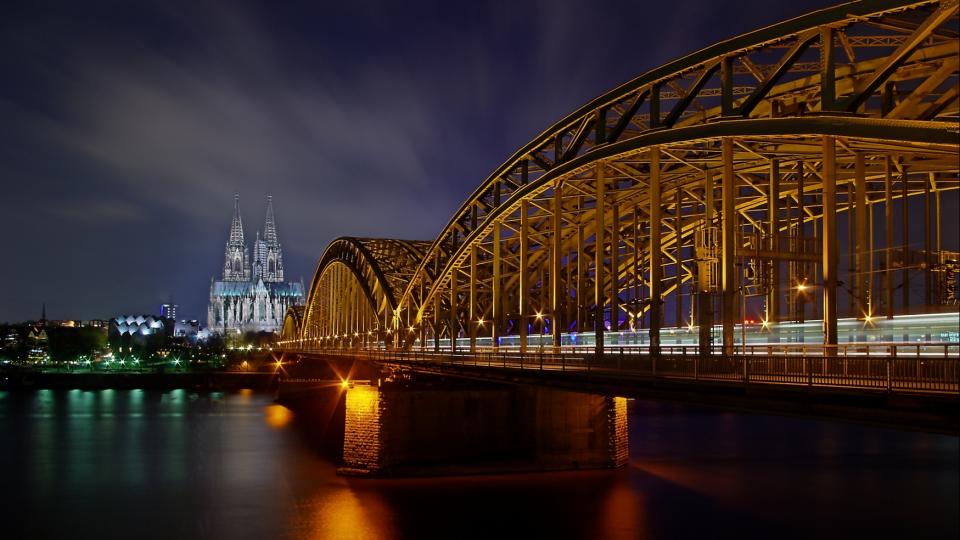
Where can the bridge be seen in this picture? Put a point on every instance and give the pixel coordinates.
(769, 210)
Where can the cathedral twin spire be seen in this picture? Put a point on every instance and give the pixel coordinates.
(267, 263)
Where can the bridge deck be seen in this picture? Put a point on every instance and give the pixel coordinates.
(926, 368)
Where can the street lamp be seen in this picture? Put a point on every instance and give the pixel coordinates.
(543, 325)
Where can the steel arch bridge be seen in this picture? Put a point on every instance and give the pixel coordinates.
(716, 186)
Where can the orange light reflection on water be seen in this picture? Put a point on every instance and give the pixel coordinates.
(278, 416)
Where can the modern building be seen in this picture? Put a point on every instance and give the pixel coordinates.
(252, 294)
(137, 330)
(191, 330)
(168, 311)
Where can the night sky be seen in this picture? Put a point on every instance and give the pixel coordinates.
(128, 126)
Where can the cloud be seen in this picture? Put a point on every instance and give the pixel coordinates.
(363, 118)
(178, 129)
(97, 211)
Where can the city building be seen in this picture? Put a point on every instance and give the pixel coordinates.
(138, 330)
(252, 294)
(191, 330)
(168, 311)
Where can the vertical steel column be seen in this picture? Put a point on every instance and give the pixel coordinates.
(496, 325)
(436, 317)
(871, 259)
(936, 220)
(655, 105)
(598, 278)
(726, 86)
(637, 272)
(800, 245)
(474, 316)
(773, 217)
(569, 307)
(852, 305)
(704, 296)
(524, 292)
(938, 238)
(828, 91)
(656, 262)
(581, 275)
(336, 303)
(830, 256)
(801, 207)
(615, 267)
(861, 249)
(454, 308)
(927, 260)
(888, 248)
(678, 254)
(557, 296)
(728, 250)
(905, 252)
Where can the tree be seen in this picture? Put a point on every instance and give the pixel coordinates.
(66, 343)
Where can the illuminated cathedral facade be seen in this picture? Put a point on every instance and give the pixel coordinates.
(252, 294)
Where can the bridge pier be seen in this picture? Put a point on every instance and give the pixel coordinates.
(457, 429)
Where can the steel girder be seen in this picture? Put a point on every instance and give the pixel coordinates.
(754, 138)
(292, 323)
(354, 285)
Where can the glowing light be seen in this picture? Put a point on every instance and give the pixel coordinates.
(344, 384)
(480, 321)
(539, 316)
(278, 416)
(802, 287)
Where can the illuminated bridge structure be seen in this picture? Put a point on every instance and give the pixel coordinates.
(775, 196)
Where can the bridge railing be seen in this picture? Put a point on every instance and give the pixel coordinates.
(925, 368)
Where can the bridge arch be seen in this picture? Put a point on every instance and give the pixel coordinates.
(353, 290)
(716, 187)
(292, 323)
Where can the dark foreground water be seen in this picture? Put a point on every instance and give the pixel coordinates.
(184, 465)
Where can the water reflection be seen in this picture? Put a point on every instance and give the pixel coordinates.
(278, 416)
(183, 464)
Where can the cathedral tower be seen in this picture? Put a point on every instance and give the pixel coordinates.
(268, 257)
(236, 264)
(252, 296)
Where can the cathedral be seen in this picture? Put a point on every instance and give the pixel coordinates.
(252, 295)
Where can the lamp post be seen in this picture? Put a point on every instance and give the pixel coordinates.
(542, 323)
(479, 328)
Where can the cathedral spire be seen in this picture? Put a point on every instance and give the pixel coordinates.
(267, 249)
(236, 225)
(270, 226)
(236, 264)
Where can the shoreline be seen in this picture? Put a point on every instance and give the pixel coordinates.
(223, 380)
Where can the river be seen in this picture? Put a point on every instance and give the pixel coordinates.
(179, 464)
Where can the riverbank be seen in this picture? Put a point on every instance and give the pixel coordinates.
(218, 380)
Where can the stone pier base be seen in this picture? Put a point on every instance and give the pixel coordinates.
(396, 430)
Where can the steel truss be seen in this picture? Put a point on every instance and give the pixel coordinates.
(721, 180)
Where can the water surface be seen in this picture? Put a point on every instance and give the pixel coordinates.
(187, 465)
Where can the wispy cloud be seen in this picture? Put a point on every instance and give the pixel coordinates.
(366, 118)
(120, 213)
